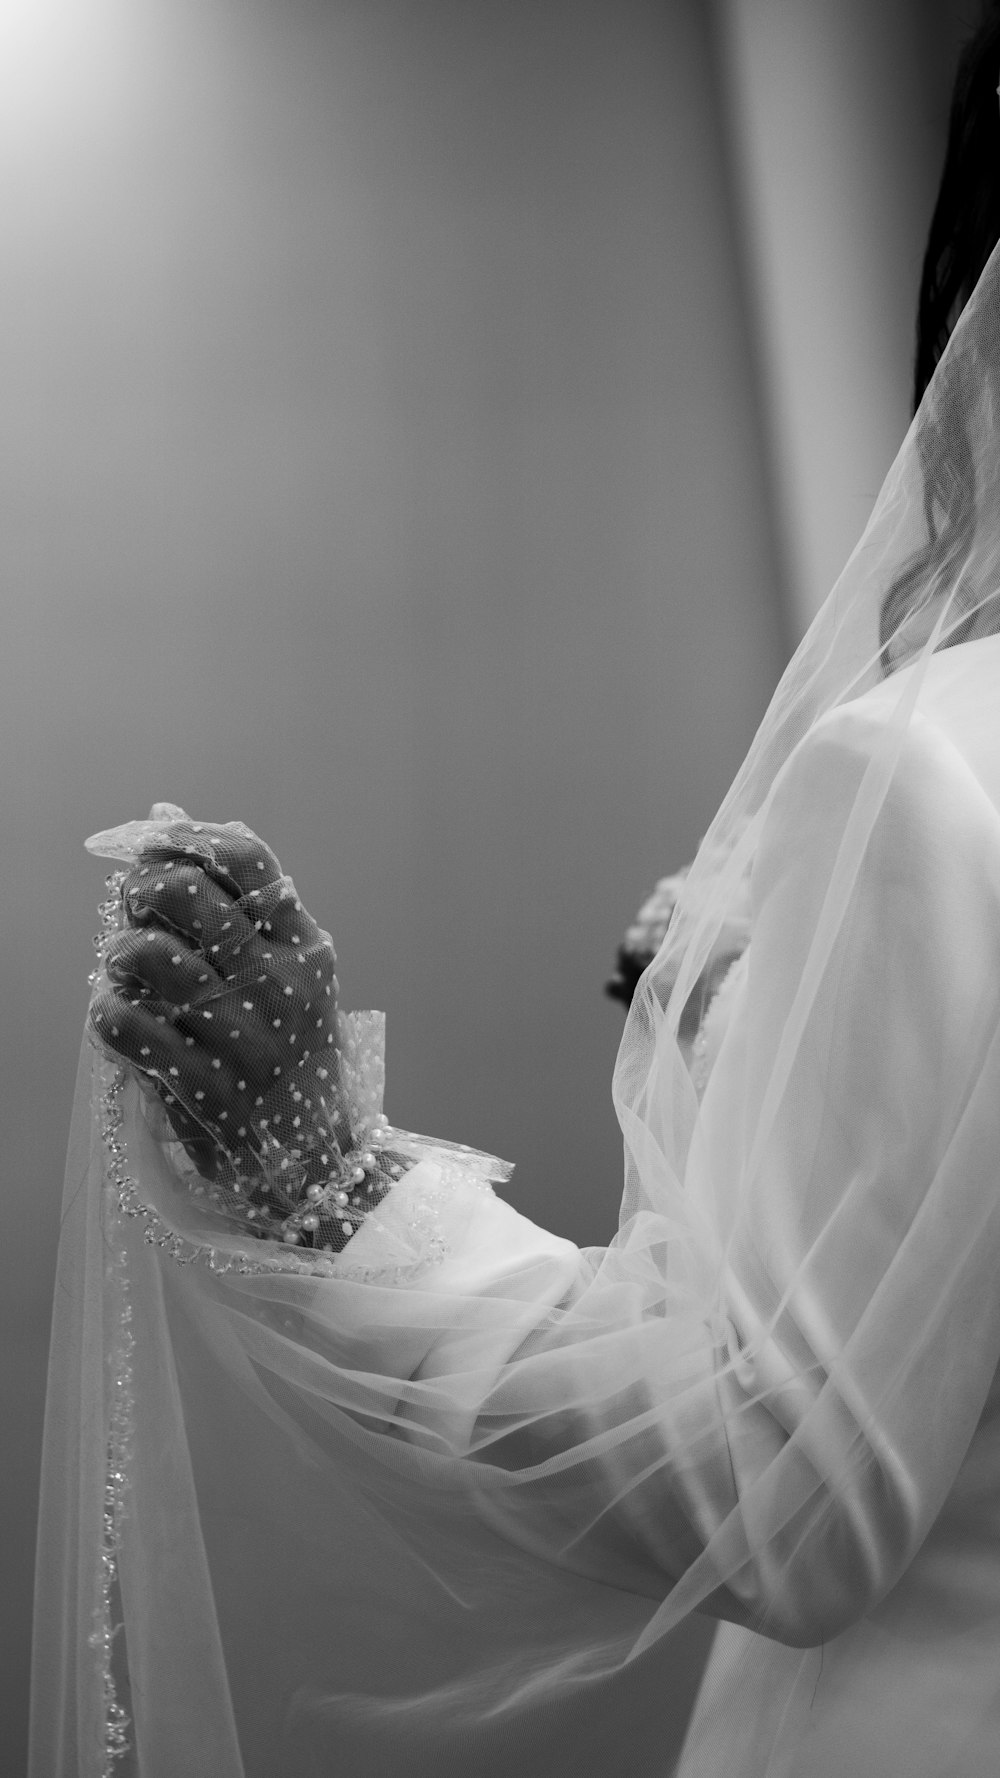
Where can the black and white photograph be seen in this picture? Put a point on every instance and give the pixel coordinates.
(500, 586)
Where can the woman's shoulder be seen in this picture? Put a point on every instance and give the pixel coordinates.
(951, 714)
(914, 761)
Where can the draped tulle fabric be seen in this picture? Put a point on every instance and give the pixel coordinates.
(383, 1511)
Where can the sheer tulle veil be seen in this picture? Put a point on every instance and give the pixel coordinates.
(270, 1544)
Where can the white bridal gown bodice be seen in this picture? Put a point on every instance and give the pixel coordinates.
(883, 1657)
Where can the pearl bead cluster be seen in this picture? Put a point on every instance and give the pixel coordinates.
(321, 1215)
(344, 1198)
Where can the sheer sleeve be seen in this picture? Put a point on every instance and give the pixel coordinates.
(805, 1429)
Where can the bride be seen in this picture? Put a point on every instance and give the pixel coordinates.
(350, 1467)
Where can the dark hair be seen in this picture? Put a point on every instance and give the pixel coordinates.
(965, 226)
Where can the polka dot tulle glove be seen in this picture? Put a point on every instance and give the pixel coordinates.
(217, 989)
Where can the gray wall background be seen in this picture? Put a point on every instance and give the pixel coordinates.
(386, 461)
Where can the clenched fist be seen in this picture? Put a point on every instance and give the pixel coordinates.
(219, 991)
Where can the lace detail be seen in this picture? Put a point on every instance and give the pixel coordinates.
(405, 1237)
(715, 1024)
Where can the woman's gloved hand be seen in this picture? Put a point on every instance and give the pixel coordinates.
(219, 992)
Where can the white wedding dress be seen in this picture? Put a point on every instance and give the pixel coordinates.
(893, 1614)
(379, 1511)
